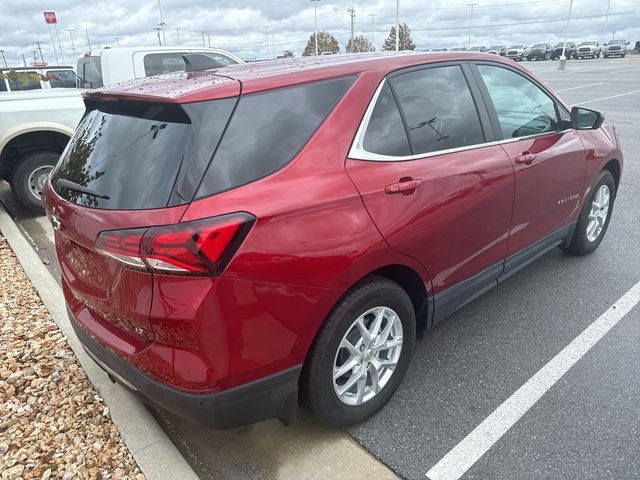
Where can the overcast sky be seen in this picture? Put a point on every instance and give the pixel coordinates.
(241, 26)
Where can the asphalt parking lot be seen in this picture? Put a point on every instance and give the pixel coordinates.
(585, 426)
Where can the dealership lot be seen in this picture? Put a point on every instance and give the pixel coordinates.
(585, 425)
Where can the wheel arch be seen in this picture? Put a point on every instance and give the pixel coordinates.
(613, 167)
(24, 139)
(412, 283)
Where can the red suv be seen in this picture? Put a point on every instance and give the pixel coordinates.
(233, 237)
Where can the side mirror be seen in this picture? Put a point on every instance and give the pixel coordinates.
(586, 119)
(604, 44)
(627, 43)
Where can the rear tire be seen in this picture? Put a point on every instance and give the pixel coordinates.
(28, 178)
(585, 240)
(341, 342)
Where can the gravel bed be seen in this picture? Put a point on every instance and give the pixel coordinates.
(53, 424)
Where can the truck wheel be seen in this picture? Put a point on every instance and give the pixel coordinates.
(29, 177)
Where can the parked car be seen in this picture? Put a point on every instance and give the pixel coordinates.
(517, 52)
(569, 51)
(36, 125)
(615, 48)
(590, 49)
(439, 50)
(497, 50)
(195, 282)
(118, 64)
(540, 51)
(637, 48)
(478, 49)
(59, 77)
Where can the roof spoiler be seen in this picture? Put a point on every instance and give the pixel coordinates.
(195, 62)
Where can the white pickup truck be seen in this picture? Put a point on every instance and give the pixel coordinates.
(36, 125)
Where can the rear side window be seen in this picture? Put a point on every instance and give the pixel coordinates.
(3, 85)
(438, 109)
(31, 83)
(158, 63)
(385, 133)
(267, 131)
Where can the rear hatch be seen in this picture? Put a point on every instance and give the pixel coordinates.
(133, 163)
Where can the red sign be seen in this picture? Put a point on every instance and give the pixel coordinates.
(50, 17)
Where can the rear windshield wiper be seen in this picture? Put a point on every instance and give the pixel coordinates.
(69, 185)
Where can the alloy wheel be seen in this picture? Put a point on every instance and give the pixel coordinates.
(367, 356)
(599, 212)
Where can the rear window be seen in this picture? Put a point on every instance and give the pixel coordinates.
(141, 155)
(90, 72)
(267, 131)
(31, 83)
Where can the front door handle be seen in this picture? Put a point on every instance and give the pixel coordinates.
(525, 157)
(405, 186)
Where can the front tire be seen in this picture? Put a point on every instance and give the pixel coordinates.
(361, 354)
(29, 177)
(595, 216)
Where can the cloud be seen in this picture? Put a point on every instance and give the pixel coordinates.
(244, 27)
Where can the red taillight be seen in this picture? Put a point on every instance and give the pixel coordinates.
(200, 247)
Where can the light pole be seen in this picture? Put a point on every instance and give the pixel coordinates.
(563, 59)
(315, 19)
(397, 25)
(161, 25)
(606, 21)
(71, 30)
(4, 59)
(372, 15)
(470, 23)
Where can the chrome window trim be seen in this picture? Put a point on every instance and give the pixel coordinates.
(358, 152)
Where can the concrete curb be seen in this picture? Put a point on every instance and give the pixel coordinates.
(157, 457)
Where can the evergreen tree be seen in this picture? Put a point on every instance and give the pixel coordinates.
(406, 43)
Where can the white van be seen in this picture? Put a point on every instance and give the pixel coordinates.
(117, 64)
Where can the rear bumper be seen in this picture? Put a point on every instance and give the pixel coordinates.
(274, 396)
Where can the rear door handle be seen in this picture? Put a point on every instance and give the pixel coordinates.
(525, 157)
(406, 186)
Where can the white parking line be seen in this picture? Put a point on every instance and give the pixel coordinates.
(607, 98)
(466, 453)
(581, 86)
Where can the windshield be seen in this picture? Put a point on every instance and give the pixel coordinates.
(496, 47)
(518, 46)
(617, 42)
(540, 45)
(587, 43)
